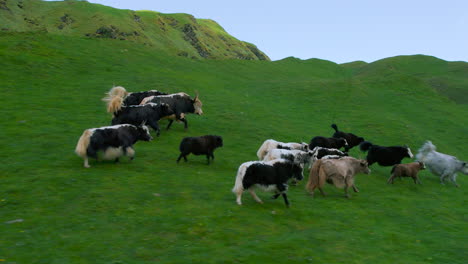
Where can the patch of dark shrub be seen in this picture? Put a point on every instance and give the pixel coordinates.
(112, 32)
(257, 52)
(31, 21)
(66, 20)
(3, 5)
(183, 54)
(173, 22)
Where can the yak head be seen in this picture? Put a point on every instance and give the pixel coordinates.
(464, 169)
(364, 166)
(197, 105)
(144, 133)
(409, 154)
(218, 141)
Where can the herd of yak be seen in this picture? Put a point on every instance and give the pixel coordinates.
(279, 163)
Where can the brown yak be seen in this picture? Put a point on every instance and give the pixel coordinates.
(339, 172)
(407, 170)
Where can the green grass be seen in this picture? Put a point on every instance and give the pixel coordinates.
(152, 210)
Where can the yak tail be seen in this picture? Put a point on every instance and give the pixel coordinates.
(263, 150)
(83, 143)
(334, 126)
(114, 98)
(424, 150)
(365, 146)
(314, 176)
(115, 104)
(116, 91)
(427, 147)
(238, 186)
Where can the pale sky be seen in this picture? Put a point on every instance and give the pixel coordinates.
(336, 30)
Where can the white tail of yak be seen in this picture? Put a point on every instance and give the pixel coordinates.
(83, 143)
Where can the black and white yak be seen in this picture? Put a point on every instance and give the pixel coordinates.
(270, 144)
(118, 97)
(180, 103)
(204, 145)
(351, 138)
(294, 155)
(326, 153)
(270, 175)
(113, 141)
(385, 156)
(148, 114)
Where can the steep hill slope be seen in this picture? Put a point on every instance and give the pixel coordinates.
(177, 34)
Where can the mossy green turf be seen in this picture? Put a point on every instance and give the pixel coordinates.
(152, 210)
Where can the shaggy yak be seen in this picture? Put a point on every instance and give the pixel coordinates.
(385, 156)
(406, 170)
(270, 144)
(340, 172)
(271, 175)
(113, 141)
(204, 145)
(441, 164)
(352, 139)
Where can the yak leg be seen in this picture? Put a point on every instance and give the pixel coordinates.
(322, 192)
(238, 197)
(346, 188)
(180, 156)
(130, 153)
(285, 197)
(170, 124)
(311, 191)
(390, 180)
(208, 156)
(442, 177)
(453, 179)
(321, 182)
(181, 117)
(254, 195)
(417, 180)
(282, 190)
(275, 196)
(86, 164)
(154, 125)
(90, 152)
(355, 189)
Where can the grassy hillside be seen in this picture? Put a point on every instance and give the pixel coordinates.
(177, 34)
(447, 78)
(152, 210)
